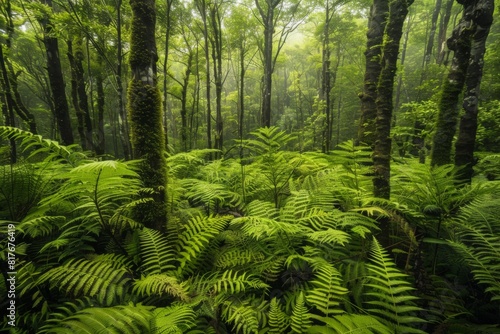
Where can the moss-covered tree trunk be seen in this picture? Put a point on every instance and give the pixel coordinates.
(375, 36)
(464, 146)
(382, 148)
(144, 107)
(460, 43)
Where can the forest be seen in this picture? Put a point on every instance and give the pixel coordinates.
(250, 166)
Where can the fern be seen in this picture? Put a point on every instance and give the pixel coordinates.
(300, 320)
(389, 293)
(278, 320)
(350, 323)
(50, 149)
(123, 319)
(477, 239)
(173, 319)
(158, 284)
(242, 315)
(327, 291)
(94, 278)
(156, 253)
(196, 237)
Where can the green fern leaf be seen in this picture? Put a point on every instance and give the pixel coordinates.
(350, 323)
(278, 320)
(173, 319)
(300, 320)
(156, 253)
(158, 284)
(389, 296)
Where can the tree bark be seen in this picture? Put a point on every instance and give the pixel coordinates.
(122, 114)
(267, 16)
(216, 22)
(443, 27)
(148, 142)
(375, 35)
(460, 43)
(56, 80)
(382, 149)
(464, 146)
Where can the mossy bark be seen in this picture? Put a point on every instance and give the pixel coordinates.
(382, 146)
(375, 36)
(148, 142)
(460, 43)
(464, 146)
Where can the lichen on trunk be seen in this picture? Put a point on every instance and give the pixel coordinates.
(144, 106)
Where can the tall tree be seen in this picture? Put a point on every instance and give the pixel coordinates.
(269, 11)
(144, 107)
(56, 78)
(375, 36)
(460, 44)
(464, 146)
(398, 9)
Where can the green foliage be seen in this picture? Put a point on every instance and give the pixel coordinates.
(90, 278)
(388, 293)
(122, 319)
(232, 260)
(350, 323)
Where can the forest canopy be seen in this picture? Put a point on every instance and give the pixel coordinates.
(252, 166)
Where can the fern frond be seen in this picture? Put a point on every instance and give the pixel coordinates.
(350, 323)
(42, 226)
(242, 315)
(173, 319)
(123, 319)
(156, 254)
(300, 320)
(197, 234)
(89, 278)
(234, 282)
(327, 291)
(278, 320)
(389, 292)
(158, 284)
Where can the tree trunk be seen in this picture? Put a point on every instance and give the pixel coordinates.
(382, 150)
(122, 113)
(100, 147)
(7, 102)
(56, 80)
(464, 146)
(375, 35)
(168, 21)
(215, 20)
(74, 97)
(460, 43)
(267, 16)
(202, 8)
(443, 27)
(144, 100)
(432, 33)
(326, 81)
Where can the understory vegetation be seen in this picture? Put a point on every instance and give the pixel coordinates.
(275, 242)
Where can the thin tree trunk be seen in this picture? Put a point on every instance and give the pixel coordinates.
(7, 104)
(122, 113)
(165, 69)
(100, 148)
(443, 27)
(74, 97)
(215, 20)
(464, 146)
(56, 79)
(460, 43)
(375, 35)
